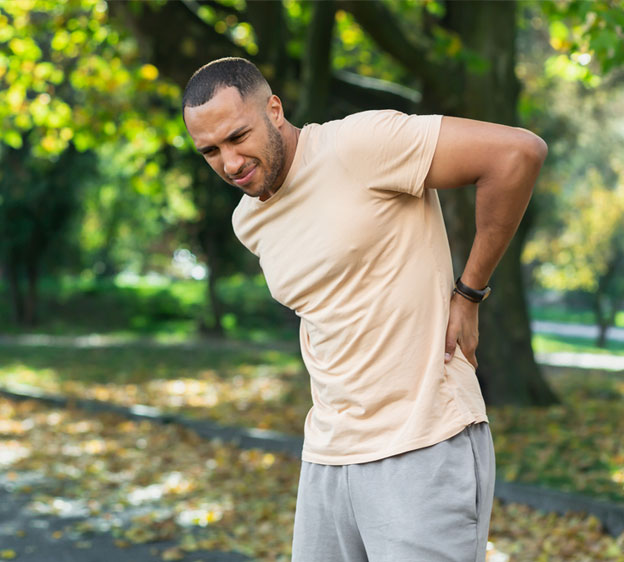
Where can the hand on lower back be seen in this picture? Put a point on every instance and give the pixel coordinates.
(462, 329)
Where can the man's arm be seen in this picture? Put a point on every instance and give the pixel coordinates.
(503, 162)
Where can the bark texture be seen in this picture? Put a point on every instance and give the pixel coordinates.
(316, 73)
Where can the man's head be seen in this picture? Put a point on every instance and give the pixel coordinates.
(225, 73)
(236, 123)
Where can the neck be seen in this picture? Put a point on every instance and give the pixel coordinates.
(291, 140)
(290, 136)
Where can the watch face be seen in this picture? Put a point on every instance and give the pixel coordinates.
(486, 292)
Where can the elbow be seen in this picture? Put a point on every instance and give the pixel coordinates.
(522, 159)
(532, 148)
(539, 149)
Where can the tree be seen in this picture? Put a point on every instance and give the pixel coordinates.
(327, 59)
(572, 72)
(38, 200)
(578, 244)
(69, 82)
(451, 79)
(480, 87)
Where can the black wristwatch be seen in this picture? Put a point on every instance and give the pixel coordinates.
(471, 294)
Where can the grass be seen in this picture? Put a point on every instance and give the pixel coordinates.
(153, 306)
(551, 343)
(569, 315)
(230, 382)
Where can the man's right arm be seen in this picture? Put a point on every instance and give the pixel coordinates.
(503, 162)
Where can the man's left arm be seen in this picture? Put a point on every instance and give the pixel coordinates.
(503, 162)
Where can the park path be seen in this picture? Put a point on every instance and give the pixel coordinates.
(31, 537)
(575, 330)
(605, 361)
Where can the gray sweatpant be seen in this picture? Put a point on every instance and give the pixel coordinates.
(427, 505)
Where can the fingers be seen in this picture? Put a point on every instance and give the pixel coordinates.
(451, 343)
(462, 329)
(471, 356)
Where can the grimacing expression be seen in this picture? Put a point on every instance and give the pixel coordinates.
(240, 140)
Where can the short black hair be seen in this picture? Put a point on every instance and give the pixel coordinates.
(222, 73)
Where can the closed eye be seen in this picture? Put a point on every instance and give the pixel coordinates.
(236, 137)
(239, 138)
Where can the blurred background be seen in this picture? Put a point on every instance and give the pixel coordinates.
(121, 280)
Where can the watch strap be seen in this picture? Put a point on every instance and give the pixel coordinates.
(473, 295)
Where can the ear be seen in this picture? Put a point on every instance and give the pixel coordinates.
(275, 111)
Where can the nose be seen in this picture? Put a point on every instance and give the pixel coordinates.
(232, 161)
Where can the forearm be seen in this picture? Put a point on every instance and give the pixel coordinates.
(502, 197)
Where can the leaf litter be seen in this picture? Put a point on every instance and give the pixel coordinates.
(211, 495)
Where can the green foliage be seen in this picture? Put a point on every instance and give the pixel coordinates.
(591, 238)
(72, 83)
(68, 75)
(130, 306)
(570, 98)
(37, 197)
(137, 203)
(37, 203)
(355, 51)
(582, 31)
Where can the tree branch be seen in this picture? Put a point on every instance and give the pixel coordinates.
(362, 92)
(195, 5)
(381, 25)
(267, 20)
(177, 55)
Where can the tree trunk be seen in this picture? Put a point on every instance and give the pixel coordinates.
(267, 19)
(15, 291)
(508, 372)
(317, 66)
(215, 306)
(605, 307)
(30, 304)
(601, 340)
(173, 36)
(209, 234)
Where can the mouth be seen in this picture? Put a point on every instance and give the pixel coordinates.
(245, 178)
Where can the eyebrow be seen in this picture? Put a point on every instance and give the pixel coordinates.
(232, 136)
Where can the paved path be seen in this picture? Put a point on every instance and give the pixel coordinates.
(575, 330)
(34, 537)
(94, 341)
(605, 361)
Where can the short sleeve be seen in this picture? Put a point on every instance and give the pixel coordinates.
(389, 150)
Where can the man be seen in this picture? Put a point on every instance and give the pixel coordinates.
(398, 463)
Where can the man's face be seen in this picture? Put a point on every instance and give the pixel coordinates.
(240, 140)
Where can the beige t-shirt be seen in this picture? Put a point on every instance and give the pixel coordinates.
(355, 245)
